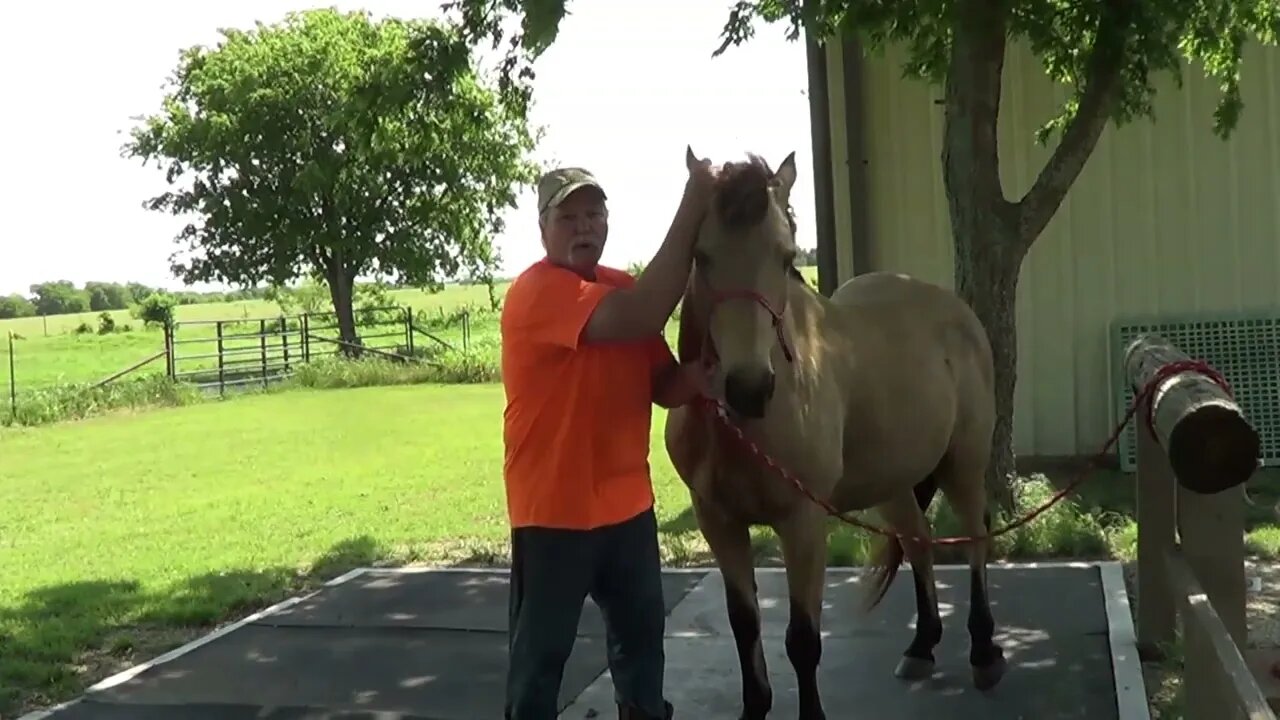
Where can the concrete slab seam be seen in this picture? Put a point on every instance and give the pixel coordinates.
(838, 569)
(1126, 666)
(129, 674)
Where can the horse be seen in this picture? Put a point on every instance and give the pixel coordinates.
(877, 397)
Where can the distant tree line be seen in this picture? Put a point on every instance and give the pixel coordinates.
(62, 297)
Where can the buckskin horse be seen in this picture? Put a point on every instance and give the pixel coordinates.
(877, 397)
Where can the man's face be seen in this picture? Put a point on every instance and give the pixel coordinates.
(575, 230)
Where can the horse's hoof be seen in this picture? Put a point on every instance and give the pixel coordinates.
(913, 668)
(988, 676)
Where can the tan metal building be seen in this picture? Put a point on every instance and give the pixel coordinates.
(1167, 222)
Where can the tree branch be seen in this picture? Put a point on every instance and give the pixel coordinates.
(1080, 136)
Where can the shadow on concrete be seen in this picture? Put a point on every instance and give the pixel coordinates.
(59, 639)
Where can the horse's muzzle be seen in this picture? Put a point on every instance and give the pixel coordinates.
(748, 392)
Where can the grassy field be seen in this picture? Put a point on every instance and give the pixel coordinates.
(50, 352)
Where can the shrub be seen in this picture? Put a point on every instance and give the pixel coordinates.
(77, 401)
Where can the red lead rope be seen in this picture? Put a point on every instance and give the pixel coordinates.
(1163, 373)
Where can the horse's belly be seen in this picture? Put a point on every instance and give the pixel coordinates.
(752, 492)
(863, 490)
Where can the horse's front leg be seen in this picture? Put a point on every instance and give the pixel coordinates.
(730, 542)
(803, 537)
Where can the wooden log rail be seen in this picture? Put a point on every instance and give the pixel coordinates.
(1196, 451)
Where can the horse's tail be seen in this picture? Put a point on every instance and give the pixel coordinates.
(883, 568)
(887, 557)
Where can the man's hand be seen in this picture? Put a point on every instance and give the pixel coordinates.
(681, 384)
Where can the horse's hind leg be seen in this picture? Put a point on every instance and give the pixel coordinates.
(905, 515)
(730, 542)
(966, 492)
(803, 537)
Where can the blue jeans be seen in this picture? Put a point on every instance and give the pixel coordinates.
(552, 572)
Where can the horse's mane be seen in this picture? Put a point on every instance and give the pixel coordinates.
(741, 194)
(740, 199)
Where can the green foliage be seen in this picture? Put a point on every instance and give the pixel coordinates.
(309, 296)
(106, 323)
(107, 296)
(336, 145)
(1076, 42)
(156, 310)
(16, 306)
(77, 401)
(445, 367)
(1148, 37)
(58, 297)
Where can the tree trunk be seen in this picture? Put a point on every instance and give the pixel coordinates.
(342, 291)
(984, 225)
(987, 268)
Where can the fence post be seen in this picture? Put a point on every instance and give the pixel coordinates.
(284, 341)
(306, 337)
(222, 381)
(170, 363)
(1196, 451)
(262, 342)
(1157, 508)
(408, 328)
(13, 381)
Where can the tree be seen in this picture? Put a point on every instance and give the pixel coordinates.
(15, 306)
(106, 295)
(1106, 51)
(59, 297)
(333, 144)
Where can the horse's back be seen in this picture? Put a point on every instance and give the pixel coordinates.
(930, 344)
(929, 312)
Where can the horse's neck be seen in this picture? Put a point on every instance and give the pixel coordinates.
(805, 326)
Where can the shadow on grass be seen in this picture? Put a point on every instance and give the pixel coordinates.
(62, 638)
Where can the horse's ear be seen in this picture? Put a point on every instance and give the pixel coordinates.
(785, 177)
(690, 160)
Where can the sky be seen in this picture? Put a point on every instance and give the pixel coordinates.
(624, 89)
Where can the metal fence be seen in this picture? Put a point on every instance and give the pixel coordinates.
(249, 352)
(231, 353)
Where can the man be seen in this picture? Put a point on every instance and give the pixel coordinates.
(583, 360)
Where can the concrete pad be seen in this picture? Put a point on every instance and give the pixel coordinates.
(1019, 597)
(445, 600)
(90, 710)
(437, 674)
(395, 645)
(1059, 679)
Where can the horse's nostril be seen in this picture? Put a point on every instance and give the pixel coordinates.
(748, 394)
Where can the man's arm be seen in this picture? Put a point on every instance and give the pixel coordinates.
(675, 384)
(644, 308)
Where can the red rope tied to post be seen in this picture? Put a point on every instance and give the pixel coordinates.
(1162, 374)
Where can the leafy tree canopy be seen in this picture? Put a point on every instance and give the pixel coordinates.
(1111, 43)
(336, 145)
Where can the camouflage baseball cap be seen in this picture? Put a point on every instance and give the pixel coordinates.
(556, 185)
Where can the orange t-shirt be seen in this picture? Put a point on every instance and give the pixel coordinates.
(577, 422)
